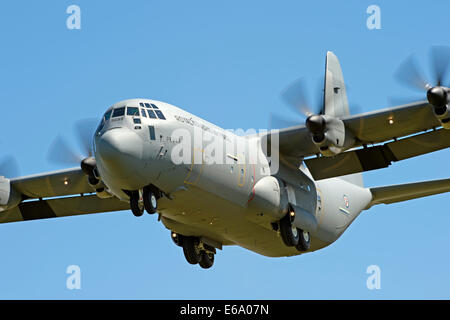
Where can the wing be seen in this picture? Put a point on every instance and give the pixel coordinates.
(63, 207)
(403, 192)
(54, 193)
(53, 184)
(377, 157)
(401, 124)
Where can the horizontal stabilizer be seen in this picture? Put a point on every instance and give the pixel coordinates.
(403, 192)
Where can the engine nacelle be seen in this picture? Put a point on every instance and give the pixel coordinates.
(9, 198)
(443, 115)
(334, 139)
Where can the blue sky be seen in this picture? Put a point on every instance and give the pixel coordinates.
(226, 62)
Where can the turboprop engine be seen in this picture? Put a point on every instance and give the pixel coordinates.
(329, 134)
(437, 90)
(9, 198)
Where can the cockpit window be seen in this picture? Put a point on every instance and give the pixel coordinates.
(119, 112)
(147, 105)
(154, 106)
(132, 111)
(151, 114)
(143, 113)
(160, 114)
(108, 115)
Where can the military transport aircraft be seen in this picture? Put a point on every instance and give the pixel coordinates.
(300, 195)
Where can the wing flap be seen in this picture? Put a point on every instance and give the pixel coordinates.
(61, 207)
(378, 157)
(409, 191)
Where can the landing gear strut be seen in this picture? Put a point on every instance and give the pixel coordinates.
(293, 236)
(195, 251)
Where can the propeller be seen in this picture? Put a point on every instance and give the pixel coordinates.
(9, 167)
(295, 97)
(411, 75)
(61, 152)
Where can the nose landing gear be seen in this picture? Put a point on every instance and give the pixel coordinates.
(136, 203)
(150, 199)
(195, 251)
(144, 199)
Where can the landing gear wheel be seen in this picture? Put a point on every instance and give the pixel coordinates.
(150, 200)
(137, 207)
(289, 233)
(304, 242)
(206, 259)
(190, 249)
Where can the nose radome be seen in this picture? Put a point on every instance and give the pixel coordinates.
(120, 150)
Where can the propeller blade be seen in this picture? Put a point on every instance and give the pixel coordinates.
(61, 153)
(277, 122)
(295, 97)
(410, 75)
(84, 131)
(400, 101)
(320, 98)
(440, 58)
(9, 167)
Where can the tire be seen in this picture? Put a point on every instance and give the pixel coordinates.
(289, 233)
(191, 252)
(304, 242)
(206, 260)
(150, 201)
(136, 207)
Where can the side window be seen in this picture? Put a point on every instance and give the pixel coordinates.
(160, 114)
(151, 114)
(151, 130)
(143, 113)
(119, 112)
(132, 111)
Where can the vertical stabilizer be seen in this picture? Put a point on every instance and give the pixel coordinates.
(336, 103)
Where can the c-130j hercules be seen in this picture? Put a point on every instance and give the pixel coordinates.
(304, 204)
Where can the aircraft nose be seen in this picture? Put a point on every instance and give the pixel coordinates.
(120, 151)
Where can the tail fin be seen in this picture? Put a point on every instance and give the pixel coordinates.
(336, 102)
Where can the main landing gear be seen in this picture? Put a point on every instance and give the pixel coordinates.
(293, 236)
(195, 251)
(144, 199)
